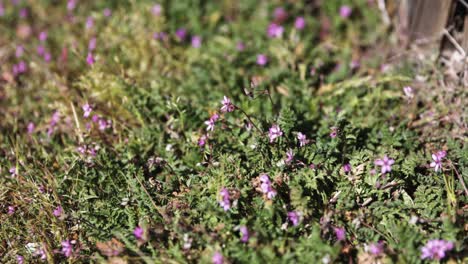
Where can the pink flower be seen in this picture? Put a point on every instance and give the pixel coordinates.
(107, 12)
(40, 50)
(181, 33)
(43, 36)
(437, 157)
(225, 199)
(294, 217)
(47, 57)
(211, 122)
(302, 139)
(334, 132)
(436, 249)
(31, 127)
(87, 110)
(275, 31)
(262, 59)
(386, 164)
(345, 11)
(299, 24)
(245, 234)
(92, 44)
(156, 10)
(274, 133)
(347, 167)
(89, 22)
(280, 14)
(202, 140)
(408, 92)
(71, 4)
(19, 51)
(289, 156)
(196, 41)
(266, 186)
(2, 9)
(340, 233)
(90, 58)
(240, 46)
(20, 259)
(67, 248)
(23, 12)
(217, 258)
(11, 210)
(227, 105)
(138, 232)
(13, 172)
(58, 211)
(376, 249)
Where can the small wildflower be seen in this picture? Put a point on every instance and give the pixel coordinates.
(11, 210)
(47, 57)
(280, 14)
(107, 12)
(181, 33)
(89, 22)
(334, 132)
(299, 24)
(202, 140)
(266, 186)
(40, 50)
(42, 36)
(225, 199)
(13, 172)
(436, 249)
(345, 11)
(58, 211)
(90, 59)
(274, 133)
(275, 31)
(71, 4)
(92, 44)
(245, 234)
(262, 59)
(156, 10)
(376, 249)
(302, 139)
(67, 248)
(20, 259)
(289, 156)
(240, 46)
(211, 122)
(340, 233)
(86, 110)
(217, 258)
(386, 164)
(19, 51)
(409, 94)
(31, 127)
(196, 41)
(437, 160)
(104, 124)
(23, 12)
(227, 105)
(138, 232)
(347, 167)
(294, 217)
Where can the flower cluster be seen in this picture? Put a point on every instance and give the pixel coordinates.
(266, 186)
(436, 249)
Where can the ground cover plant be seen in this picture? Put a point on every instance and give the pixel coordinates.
(224, 132)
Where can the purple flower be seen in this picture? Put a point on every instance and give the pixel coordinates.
(87, 110)
(266, 186)
(104, 124)
(58, 211)
(294, 217)
(280, 14)
(225, 199)
(217, 258)
(23, 12)
(196, 41)
(408, 92)
(345, 11)
(138, 233)
(202, 140)
(245, 234)
(2, 9)
(156, 10)
(376, 249)
(67, 248)
(92, 44)
(71, 4)
(275, 31)
(227, 105)
(240, 46)
(181, 33)
(40, 50)
(47, 57)
(437, 160)
(347, 167)
(436, 248)
(299, 24)
(274, 133)
(210, 123)
(262, 59)
(20, 259)
(31, 127)
(334, 132)
(90, 59)
(302, 139)
(386, 164)
(13, 171)
(43, 36)
(19, 51)
(340, 233)
(289, 156)
(107, 12)
(89, 22)
(11, 210)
